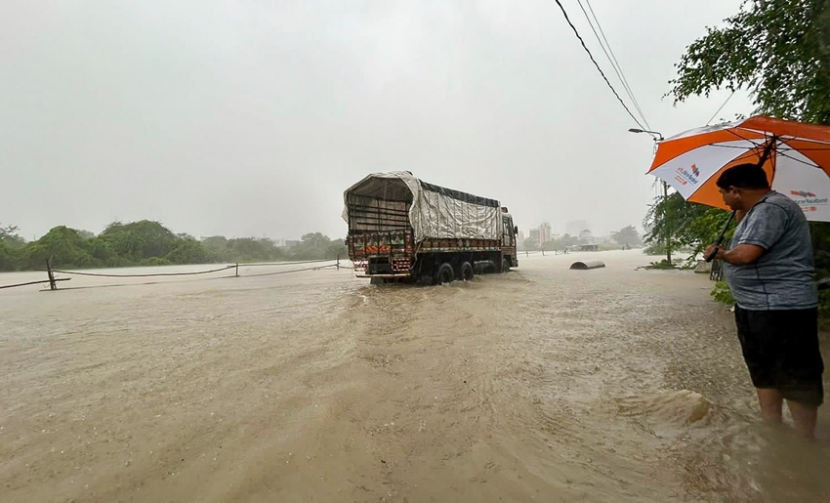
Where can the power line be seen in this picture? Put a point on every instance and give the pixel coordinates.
(581, 41)
(602, 46)
(721, 108)
(612, 58)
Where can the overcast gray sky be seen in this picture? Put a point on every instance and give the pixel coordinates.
(250, 117)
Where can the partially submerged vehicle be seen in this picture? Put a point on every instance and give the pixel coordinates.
(404, 229)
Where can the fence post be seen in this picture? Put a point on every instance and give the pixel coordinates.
(237, 269)
(338, 261)
(52, 284)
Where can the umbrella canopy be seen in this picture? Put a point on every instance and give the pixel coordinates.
(796, 158)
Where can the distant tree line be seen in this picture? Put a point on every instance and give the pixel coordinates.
(148, 243)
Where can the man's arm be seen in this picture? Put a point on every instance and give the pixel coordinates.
(742, 254)
(764, 230)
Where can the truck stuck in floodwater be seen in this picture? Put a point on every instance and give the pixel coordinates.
(404, 229)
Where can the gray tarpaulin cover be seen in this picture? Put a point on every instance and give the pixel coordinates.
(436, 212)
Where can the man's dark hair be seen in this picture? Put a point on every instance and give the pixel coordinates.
(744, 176)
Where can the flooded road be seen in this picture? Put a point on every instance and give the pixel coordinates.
(543, 384)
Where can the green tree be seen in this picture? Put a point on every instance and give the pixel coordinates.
(312, 246)
(141, 240)
(216, 244)
(779, 50)
(188, 251)
(689, 226)
(250, 250)
(668, 219)
(12, 252)
(63, 247)
(337, 248)
(7, 261)
(127, 245)
(103, 252)
(627, 235)
(9, 235)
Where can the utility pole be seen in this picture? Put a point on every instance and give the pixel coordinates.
(666, 227)
(658, 137)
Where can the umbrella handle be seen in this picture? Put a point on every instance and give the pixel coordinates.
(720, 238)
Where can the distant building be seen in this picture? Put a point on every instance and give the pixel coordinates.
(544, 233)
(534, 235)
(576, 227)
(285, 243)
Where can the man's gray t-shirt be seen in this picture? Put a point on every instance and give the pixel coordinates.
(782, 278)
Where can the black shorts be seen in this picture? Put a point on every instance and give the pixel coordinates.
(781, 351)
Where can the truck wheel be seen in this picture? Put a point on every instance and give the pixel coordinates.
(467, 272)
(505, 265)
(445, 274)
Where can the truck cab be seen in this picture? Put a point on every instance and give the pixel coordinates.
(508, 241)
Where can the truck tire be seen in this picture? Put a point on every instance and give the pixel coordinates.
(466, 272)
(505, 265)
(445, 274)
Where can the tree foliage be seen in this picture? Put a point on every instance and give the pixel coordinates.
(149, 243)
(9, 236)
(689, 226)
(668, 220)
(244, 249)
(141, 240)
(778, 50)
(627, 236)
(11, 245)
(721, 293)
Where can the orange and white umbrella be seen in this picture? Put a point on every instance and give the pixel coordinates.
(796, 158)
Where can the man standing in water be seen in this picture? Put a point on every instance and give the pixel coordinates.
(769, 269)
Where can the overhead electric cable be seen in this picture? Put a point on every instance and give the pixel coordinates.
(612, 58)
(581, 41)
(721, 108)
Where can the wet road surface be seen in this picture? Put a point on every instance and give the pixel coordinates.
(543, 384)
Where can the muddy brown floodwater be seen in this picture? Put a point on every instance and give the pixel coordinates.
(544, 384)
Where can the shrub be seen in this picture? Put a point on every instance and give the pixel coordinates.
(721, 293)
